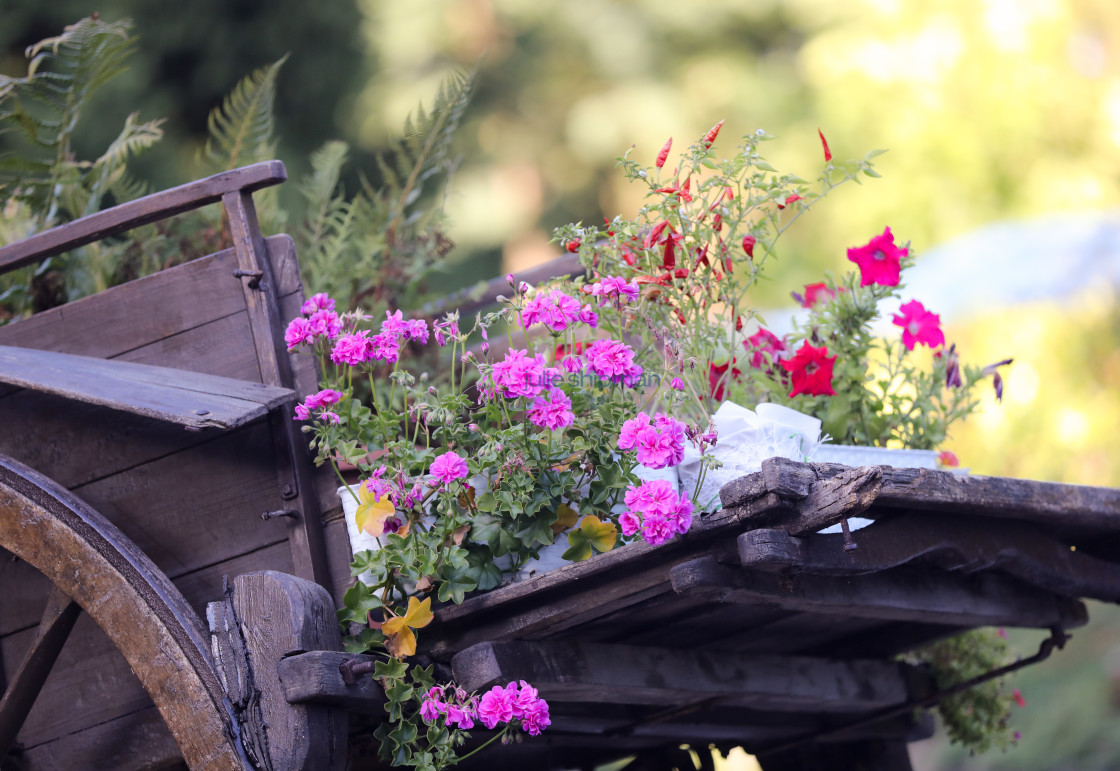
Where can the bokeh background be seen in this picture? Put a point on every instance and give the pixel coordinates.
(1002, 118)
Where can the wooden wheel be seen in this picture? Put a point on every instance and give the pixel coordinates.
(94, 566)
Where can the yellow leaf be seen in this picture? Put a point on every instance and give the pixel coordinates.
(419, 614)
(602, 535)
(399, 638)
(566, 517)
(400, 644)
(372, 512)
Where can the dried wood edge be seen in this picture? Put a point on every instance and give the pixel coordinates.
(1074, 508)
(136, 606)
(626, 674)
(150, 208)
(905, 594)
(315, 676)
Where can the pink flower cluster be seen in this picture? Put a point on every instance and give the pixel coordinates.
(555, 310)
(318, 401)
(519, 375)
(515, 702)
(613, 361)
(320, 322)
(659, 441)
(553, 412)
(657, 511)
(613, 287)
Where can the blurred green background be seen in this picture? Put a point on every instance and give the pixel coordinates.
(995, 111)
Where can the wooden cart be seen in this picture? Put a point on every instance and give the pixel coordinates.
(159, 515)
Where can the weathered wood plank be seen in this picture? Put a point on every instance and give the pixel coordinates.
(266, 616)
(150, 208)
(136, 741)
(591, 672)
(947, 542)
(1067, 509)
(901, 595)
(177, 396)
(168, 302)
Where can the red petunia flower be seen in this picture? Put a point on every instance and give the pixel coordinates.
(811, 371)
(878, 260)
(717, 377)
(919, 326)
(764, 342)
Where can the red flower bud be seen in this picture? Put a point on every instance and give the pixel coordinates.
(712, 134)
(738, 323)
(789, 200)
(661, 156)
(572, 246)
(748, 245)
(680, 273)
(824, 143)
(717, 222)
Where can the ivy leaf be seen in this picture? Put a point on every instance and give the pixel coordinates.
(399, 637)
(592, 532)
(566, 517)
(455, 585)
(372, 511)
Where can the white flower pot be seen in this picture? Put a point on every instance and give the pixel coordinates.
(853, 455)
(359, 539)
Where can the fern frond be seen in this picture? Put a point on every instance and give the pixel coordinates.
(241, 128)
(423, 152)
(134, 138)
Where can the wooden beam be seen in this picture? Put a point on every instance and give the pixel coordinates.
(150, 208)
(589, 672)
(924, 596)
(315, 677)
(945, 542)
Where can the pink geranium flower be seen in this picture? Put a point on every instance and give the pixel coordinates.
(879, 260)
(610, 287)
(811, 371)
(519, 375)
(351, 349)
(495, 706)
(555, 310)
(552, 413)
(613, 361)
(298, 333)
(318, 302)
(325, 324)
(919, 326)
(449, 467)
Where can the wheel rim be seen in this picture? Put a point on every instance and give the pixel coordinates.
(134, 603)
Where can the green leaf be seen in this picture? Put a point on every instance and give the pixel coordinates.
(456, 584)
(394, 669)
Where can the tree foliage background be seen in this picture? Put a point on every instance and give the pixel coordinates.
(992, 110)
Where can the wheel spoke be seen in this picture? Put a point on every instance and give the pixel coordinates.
(58, 619)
